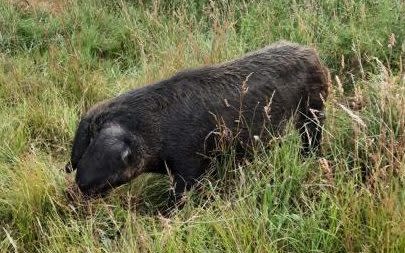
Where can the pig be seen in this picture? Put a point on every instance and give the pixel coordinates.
(174, 126)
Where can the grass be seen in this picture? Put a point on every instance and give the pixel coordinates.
(57, 58)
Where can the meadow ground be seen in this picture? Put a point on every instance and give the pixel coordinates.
(57, 58)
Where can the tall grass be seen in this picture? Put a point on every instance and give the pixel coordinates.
(57, 58)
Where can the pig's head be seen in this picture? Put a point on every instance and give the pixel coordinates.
(104, 157)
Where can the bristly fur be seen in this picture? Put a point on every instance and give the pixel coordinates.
(171, 119)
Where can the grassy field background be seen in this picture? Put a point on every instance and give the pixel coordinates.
(57, 58)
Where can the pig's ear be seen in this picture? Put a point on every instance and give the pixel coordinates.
(132, 149)
(80, 144)
(126, 155)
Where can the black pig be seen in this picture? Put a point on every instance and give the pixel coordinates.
(173, 125)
